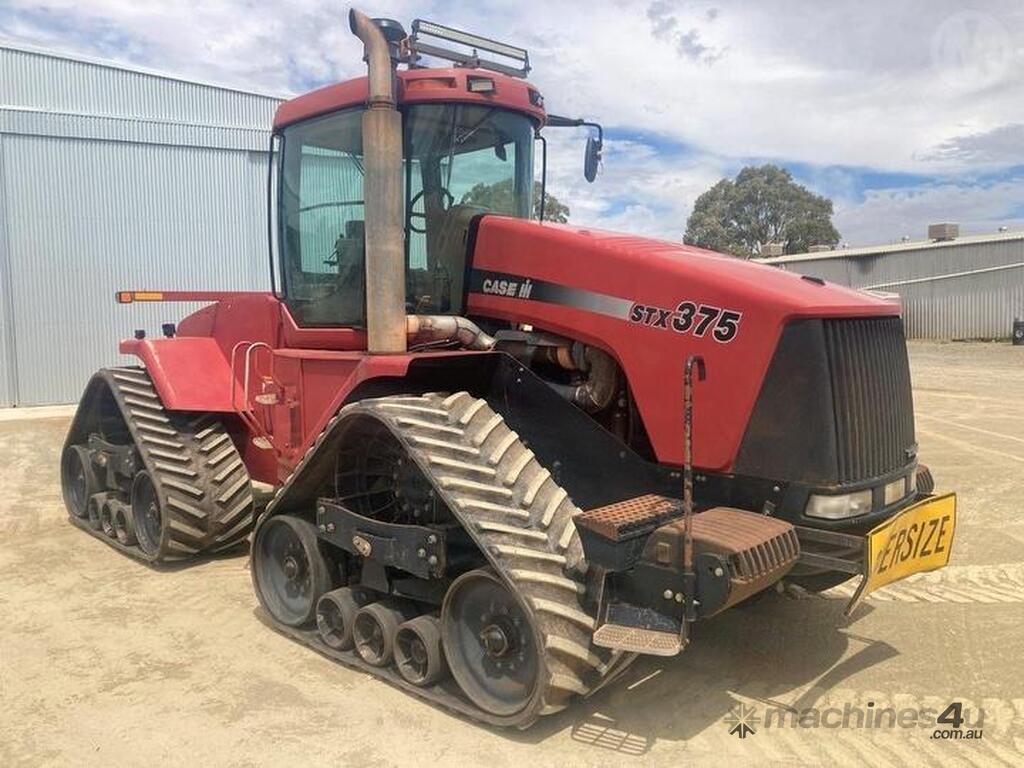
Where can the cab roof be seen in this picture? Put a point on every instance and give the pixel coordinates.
(421, 86)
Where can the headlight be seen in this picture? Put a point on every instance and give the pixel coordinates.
(839, 507)
(895, 491)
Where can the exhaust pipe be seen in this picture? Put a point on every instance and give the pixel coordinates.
(382, 192)
(429, 329)
(388, 329)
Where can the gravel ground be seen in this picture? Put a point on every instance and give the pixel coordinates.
(104, 661)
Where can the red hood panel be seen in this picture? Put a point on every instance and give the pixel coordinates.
(623, 293)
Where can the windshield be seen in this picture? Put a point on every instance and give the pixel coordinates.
(460, 161)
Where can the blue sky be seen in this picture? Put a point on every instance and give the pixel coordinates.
(904, 113)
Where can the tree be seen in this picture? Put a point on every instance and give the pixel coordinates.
(498, 197)
(763, 205)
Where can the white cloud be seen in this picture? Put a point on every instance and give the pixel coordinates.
(886, 215)
(640, 189)
(826, 83)
(923, 86)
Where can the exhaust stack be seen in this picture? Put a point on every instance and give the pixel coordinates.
(382, 191)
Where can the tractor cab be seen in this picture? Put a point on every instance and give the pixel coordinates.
(468, 138)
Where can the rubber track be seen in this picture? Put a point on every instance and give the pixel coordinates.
(201, 481)
(522, 521)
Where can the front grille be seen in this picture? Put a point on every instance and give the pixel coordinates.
(874, 409)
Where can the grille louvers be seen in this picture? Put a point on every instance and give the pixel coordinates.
(874, 409)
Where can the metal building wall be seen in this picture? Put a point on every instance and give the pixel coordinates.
(954, 290)
(109, 179)
(7, 372)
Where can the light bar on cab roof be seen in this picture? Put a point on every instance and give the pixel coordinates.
(476, 43)
(473, 41)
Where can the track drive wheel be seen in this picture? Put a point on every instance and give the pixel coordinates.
(491, 643)
(289, 571)
(78, 479)
(147, 514)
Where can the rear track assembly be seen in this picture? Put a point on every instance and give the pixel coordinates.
(202, 489)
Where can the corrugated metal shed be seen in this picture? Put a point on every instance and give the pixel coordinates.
(113, 178)
(966, 288)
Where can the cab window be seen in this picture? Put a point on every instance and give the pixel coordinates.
(322, 221)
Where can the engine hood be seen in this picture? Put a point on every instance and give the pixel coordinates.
(631, 267)
(650, 304)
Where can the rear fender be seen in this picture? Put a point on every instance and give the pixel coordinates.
(190, 373)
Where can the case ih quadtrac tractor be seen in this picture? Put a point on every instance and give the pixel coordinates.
(491, 459)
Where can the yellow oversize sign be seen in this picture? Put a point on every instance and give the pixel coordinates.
(918, 539)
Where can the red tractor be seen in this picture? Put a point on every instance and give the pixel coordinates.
(460, 439)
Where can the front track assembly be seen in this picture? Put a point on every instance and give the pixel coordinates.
(157, 485)
(524, 617)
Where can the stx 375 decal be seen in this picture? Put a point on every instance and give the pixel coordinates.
(690, 317)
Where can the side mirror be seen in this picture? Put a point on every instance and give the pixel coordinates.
(592, 158)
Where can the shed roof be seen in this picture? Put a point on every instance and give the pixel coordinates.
(874, 250)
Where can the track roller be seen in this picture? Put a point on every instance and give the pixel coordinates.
(93, 508)
(124, 524)
(289, 571)
(375, 628)
(78, 480)
(107, 517)
(335, 615)
(418, 653)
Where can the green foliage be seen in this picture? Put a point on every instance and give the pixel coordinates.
(763, 205)
(498, 198)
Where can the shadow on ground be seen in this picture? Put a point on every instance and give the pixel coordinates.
(749, 654)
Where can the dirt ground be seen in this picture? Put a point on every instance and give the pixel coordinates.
(104, 661)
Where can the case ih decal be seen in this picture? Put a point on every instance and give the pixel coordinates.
(690, 317)
(519, 287)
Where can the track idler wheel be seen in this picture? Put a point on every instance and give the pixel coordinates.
(418, 653)
(147, 514)
(375, 628)
(335, 615)
(289, 571)
(78, 480)
(491, 643)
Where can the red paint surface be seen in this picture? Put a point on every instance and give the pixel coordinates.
(313, 371)
(660, 273)
(310, 372)
(417, 86)
(191, 374)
